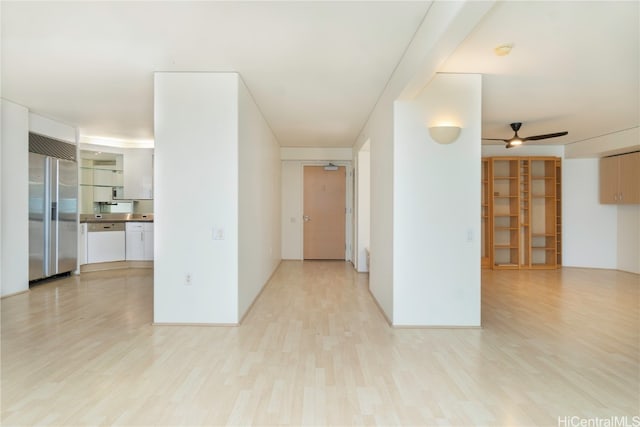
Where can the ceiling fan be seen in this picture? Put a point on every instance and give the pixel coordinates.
(517, 140)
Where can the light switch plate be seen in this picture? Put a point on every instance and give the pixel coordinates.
(218, 233)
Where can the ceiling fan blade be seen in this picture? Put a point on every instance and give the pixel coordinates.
(495, 139)
(548, 135)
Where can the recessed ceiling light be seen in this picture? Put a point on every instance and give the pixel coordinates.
(503, 49)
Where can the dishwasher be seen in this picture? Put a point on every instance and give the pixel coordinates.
(105, 242)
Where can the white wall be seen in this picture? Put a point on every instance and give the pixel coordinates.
(316, 153)
(620, 142)
(628, 238)
(292, 204)
(381, 253)
(17, 122)
(589, 229)
(445, 26)
(291, 210)
(363, 171)
(436, 217)
(14, 212)
(259, 219)
(52, 128)
(523, 150)
(196, 190)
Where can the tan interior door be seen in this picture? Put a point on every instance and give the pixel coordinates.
(324, 212)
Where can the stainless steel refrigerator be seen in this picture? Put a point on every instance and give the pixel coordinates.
(53, 207)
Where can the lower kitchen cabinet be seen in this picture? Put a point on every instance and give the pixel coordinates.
(82, 247)
(139, 241)
(106, 245)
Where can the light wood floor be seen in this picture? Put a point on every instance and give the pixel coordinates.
(316, 350)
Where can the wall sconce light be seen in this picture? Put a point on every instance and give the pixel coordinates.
(444, 134)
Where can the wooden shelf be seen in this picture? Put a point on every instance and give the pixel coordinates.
(523, 195)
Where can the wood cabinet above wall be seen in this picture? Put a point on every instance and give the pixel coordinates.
(620, 179)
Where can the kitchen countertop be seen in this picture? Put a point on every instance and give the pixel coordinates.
(116, 217)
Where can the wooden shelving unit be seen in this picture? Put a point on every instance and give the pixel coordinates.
(558, 212)
(485, 216)
(505, 205)
(523, 225)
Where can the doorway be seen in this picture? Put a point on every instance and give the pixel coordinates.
(324, 212)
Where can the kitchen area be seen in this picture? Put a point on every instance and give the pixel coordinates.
(90, 207)
(115, 208)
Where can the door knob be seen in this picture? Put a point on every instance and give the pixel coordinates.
(306, 218)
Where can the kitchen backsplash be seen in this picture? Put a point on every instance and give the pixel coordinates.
(136, 206)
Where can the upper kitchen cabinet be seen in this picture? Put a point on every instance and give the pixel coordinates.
(101, 178)
(138, 174)
(620, 179)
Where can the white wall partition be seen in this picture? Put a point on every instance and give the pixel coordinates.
(217, 199)
(436, 214)
(196, 198)
(445, 26)
(628, 238)
(363, 171)
(259, 201)
(14, 211)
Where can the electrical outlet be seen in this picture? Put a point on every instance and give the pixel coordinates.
(187, 280)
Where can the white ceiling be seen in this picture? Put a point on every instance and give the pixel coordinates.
(573, 67)
(316, 69)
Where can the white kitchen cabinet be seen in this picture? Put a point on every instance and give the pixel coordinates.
(139, 241)
(104, 177)
(138, 174)
(102, 194)
(105, 246)
(82, 250)
(148, 242)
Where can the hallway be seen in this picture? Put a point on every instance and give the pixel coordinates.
(315, 349)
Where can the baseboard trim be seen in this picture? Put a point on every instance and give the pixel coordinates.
(435, 327)
(15, 293)
(246, 313)
(115, 265)
(224, 325)
(375, 300)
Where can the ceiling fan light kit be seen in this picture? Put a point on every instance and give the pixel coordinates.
(517, 140)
